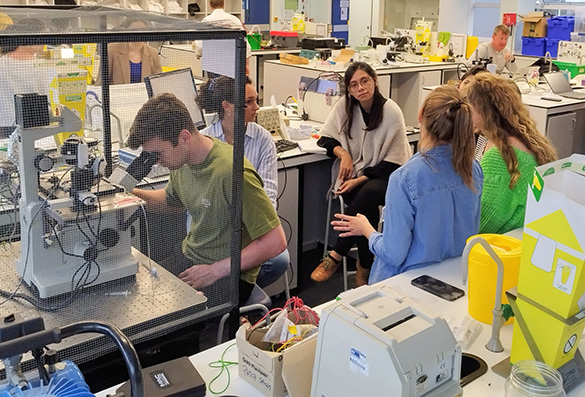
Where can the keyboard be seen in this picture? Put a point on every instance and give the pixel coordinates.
(573, 94)
(282, 145)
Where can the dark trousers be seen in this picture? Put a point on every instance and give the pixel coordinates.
(365, 199)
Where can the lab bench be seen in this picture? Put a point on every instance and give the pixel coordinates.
(450, 271)
(401, 81)
(563, 122)
(303, 180)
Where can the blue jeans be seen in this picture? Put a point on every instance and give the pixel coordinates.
(272, 269)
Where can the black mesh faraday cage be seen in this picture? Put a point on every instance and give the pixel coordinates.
(71, 64)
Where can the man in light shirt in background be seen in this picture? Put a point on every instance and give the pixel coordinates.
(218, 16)
(496, 49)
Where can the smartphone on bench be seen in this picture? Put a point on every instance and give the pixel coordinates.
(438, 288)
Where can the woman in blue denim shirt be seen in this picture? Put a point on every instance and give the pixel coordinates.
(432, 201)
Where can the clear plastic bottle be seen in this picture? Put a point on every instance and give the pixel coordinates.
(534, 379)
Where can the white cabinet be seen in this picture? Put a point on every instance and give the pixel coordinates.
(177, 8)
(288, 211)
(366, 18)
(562, 123)
(563, 133)
(407, 91)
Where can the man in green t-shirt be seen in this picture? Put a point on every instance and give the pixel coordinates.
(201, 182)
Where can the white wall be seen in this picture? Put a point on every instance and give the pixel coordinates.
(276, 11)
(520, 7)
(319, 10)
(398, 13)
(366, 18)
(457, 16)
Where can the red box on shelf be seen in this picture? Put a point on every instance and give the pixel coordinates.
(509, 19)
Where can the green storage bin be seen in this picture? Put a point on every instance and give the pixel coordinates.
(573, 69)
(254, 39)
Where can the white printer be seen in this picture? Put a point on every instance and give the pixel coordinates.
(376, 342)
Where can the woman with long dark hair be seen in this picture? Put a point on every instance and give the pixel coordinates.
(432, 201)
(366, 132)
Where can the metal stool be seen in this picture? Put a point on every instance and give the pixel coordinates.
(258, 300)
(353, 251)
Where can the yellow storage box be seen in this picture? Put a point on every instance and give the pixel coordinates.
(552, 267)
(541, 335)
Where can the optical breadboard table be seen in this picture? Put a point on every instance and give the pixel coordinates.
(149, 305)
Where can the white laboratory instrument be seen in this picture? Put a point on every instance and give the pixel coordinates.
(75, 241)
(376, 342)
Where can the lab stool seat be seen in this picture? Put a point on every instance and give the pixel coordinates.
(258, 300)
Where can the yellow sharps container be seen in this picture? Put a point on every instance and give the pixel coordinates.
(483, 272)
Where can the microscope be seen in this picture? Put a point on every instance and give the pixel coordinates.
(81, 238)
(482, 62)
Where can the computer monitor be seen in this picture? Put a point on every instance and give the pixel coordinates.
(181, 84)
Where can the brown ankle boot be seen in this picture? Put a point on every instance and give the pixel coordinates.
(361, 275)
(325, 270)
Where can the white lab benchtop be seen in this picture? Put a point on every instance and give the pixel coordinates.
(276, 51)
(189, 47)
(535, 99)
(562, 122)
(450, 271)
(394, 67)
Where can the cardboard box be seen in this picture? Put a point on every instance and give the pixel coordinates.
(277, 374)
(535, 24)
(293, 59)
(552, 266)
(543, 336)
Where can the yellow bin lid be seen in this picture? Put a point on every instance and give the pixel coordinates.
(504, 246)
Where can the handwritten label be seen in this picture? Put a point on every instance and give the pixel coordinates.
(259, 377)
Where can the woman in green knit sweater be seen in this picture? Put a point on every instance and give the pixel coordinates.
(514, 149)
